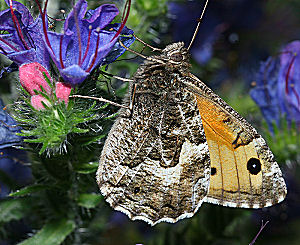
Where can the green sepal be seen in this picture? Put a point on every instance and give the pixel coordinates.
(51, 84)
(112, 116)
(93, 139)
(26, 93)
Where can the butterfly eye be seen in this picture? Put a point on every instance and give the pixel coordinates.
(177, 57)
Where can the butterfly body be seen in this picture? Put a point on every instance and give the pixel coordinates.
(183, 145)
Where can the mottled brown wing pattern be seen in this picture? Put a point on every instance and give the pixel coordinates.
(155, 164)
(181, 146)
(245, 173)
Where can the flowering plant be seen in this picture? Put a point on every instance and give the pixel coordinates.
(58, 131)
(52, 66)
(88, 41)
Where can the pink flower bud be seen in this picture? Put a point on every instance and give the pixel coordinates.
(32, 77)
(36, 102)
(63, 91)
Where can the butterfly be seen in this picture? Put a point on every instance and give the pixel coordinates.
(183, 145)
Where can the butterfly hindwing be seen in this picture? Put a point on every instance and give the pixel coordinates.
(243, 170)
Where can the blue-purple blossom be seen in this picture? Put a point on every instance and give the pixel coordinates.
(126, 37)
(289, 81)
(11, 164)
(277, 90)
(22, 41)
(86, 39)
(265, 93)
(8, 129)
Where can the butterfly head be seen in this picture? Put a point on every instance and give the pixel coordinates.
(176, 57)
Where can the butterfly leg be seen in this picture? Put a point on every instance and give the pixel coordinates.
(133, 92)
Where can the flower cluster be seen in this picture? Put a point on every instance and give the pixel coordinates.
(87, 41)
(277, 90)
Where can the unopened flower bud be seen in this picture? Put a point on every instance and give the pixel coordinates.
(36, 102)
(32, 77)
(63, 91)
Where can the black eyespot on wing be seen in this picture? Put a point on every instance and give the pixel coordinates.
(136, 190)
(177, 57)
(254, 166)
(213, 171)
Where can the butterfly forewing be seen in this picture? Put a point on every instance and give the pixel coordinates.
(155, 163)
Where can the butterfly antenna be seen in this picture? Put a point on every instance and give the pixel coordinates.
(146, 44)
(198, 25)
(138, 54)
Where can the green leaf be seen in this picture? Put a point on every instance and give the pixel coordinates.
(28, 190)
(54, 232)
(14, 209)
(86, 168)
(32, 140)
(89, 200)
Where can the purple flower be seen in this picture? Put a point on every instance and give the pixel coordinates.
(86, 39)
(289, 81)
(12, 166)
(125, 37)
(277, 90)
(23, 41)
(8, 129)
